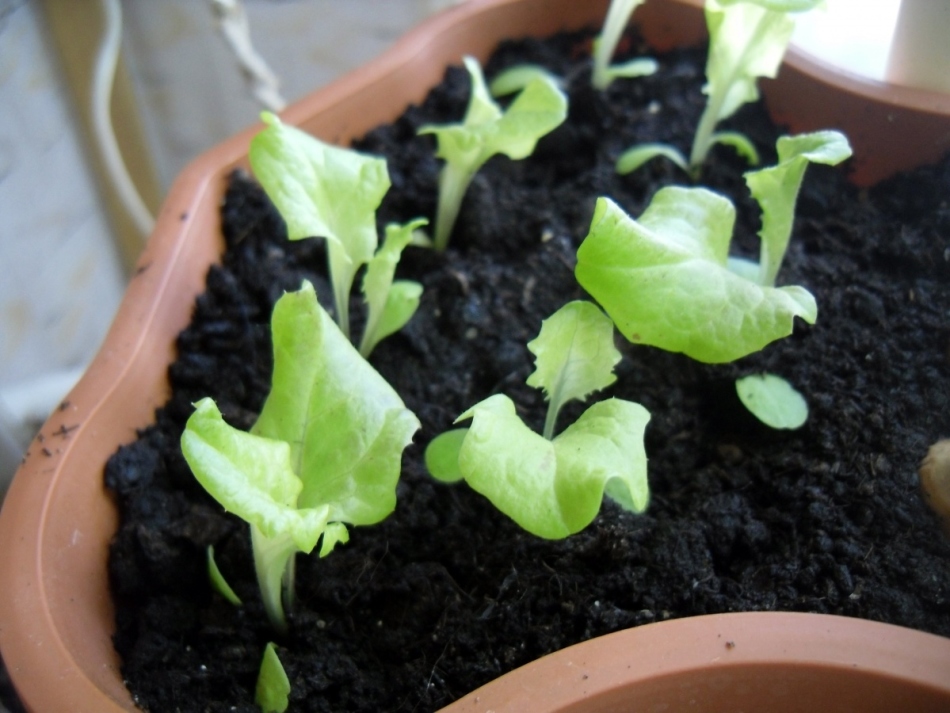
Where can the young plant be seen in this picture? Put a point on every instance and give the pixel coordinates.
(618, 15)
(330, 192)
(486, 131)
(747, 40)
(667, 279)
(325, 450)
(553, 486)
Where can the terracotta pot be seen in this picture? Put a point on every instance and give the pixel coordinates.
(56, 618)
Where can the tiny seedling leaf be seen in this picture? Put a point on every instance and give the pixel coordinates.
(748, 40)
(273, 687)
(664, 279)
(618, 15)
(218, 581)
(631, 159)
(773, 401)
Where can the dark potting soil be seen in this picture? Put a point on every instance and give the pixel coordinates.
(447, 593)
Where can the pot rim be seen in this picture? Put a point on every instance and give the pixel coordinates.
(40, 632)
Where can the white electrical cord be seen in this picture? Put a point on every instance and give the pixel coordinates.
(236, 30)
(102, 81)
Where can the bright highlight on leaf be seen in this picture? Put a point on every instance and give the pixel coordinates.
(773, 401)
(486, 131)
(664, 279)
(330, 192)
(273, 687)
(553, 487)
(325, 450)
(618, 15)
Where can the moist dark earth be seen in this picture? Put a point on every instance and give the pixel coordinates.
(447, 593)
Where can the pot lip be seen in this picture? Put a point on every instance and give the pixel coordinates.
(28, 503)
(718, 643)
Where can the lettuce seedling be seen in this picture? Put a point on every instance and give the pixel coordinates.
(618, 15)
(486, 131)
(272, 692)
(747, 40)
(667, 279)
(325, 450)
(773, 401)
(553, 486)
(327, 191)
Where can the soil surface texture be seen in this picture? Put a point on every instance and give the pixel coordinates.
(447, 593)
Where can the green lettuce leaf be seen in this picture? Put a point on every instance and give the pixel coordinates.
(554, 488)
(322, 191)
(664, 279)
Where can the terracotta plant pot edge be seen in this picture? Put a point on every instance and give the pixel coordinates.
(65, 551)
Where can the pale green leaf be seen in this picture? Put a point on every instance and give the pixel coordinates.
(574, 355)
(218, 581)
(554, 488)
(516, 78)
(618, 15)
(664, 279)
(346, 425)
(251, 476)
(322, 191)
(273, 687)
(741, 143)
(640, 67)
(335, 534)
(776, 190)
(773, 401)
(389, 306)
(631, 159)
(442, 455)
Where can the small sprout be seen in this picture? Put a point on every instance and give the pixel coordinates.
(516, 78)
(325, 450)
(935, 479)
(618, 15)
(389, 304)
(776, 190)
(667, 279)
(273, 687)
(773, 401)
(747, 40)
(486, 131)
(631, 159)
(330, 192)
(554, 486)
(218, 581)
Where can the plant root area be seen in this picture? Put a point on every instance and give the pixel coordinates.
(447, 594)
